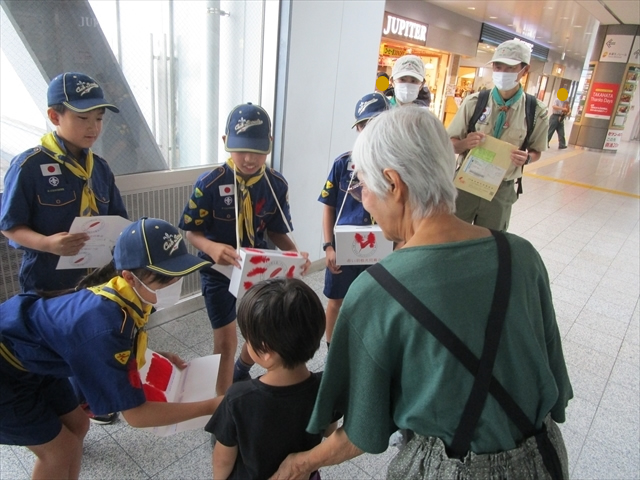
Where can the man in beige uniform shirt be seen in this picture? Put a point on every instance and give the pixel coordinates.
(503, 118)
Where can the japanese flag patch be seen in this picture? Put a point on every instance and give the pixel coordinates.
(50, 169)
(225, 190)
(351, 166)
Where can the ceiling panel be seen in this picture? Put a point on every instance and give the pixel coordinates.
(628, 11)
(561, 25)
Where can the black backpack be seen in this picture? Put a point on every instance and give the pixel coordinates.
(529, 113)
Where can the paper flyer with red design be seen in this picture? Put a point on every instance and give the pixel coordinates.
(164, 382)
(103, 231)
(360, 244)
(259, 264)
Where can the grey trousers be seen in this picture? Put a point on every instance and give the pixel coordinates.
(426, 458)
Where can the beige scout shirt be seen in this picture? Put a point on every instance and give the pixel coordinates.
(516, 126)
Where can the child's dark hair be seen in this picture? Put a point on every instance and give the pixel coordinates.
(58, 107)
(61, 109)
(282, 315)
(103, 275)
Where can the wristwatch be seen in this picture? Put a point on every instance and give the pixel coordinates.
(528, 160)
(326, 245)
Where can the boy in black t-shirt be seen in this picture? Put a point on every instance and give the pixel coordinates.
(263, 420)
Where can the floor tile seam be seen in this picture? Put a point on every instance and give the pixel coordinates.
(26, 468)
(10, 448)
(596, 332)
(124, 450)
(190, 452)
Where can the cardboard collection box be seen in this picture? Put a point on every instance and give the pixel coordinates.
(258, 264)
(164, 382)
(360, 245)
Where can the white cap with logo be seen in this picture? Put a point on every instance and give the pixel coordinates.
(409, 65)
(512, 52)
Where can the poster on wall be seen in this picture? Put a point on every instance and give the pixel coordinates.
(616, 48)
(624, 106)
(601, 101)
(585, 90)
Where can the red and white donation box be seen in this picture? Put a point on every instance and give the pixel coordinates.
(360, 245)
(258, 264)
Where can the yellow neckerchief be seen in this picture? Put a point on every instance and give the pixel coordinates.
(88, 205)
(245, 216)
(118, 290)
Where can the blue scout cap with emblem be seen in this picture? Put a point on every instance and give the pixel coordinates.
(248, 130)
(77, 92)
(369, 106)
(156, 245)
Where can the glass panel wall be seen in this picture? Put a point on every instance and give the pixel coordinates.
(187, 64)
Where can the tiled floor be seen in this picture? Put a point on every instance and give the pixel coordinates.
(581, 210)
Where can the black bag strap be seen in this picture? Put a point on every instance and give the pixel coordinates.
(483, 99)
(530, 116)
(451, 342)
(478, 396)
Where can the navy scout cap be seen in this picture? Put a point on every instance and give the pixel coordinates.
(248, 130)
(77, 92)
(156, 245)
(369, 106)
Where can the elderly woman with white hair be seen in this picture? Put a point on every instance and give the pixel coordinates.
(452, 338)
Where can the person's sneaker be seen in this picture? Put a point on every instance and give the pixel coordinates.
(107, 419)
(562, 147)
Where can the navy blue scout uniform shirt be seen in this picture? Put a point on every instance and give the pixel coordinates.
(44, 195)
(211, 208)
(83, 335)
(353, 213)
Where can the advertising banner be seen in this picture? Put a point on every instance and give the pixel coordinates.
(601, 100)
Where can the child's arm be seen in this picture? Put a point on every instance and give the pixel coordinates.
(328, 222)
(62, 244)
(221, 253)
(223, 459)
(158, 414)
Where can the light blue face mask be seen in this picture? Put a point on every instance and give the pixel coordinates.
(166, 296)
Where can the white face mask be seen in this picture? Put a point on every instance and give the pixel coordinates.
(406, 92)
(166, 296)
(505, 80)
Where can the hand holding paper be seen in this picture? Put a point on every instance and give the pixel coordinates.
(164, 382)
(103, 231)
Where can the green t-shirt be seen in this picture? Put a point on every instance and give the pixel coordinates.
(385, 371)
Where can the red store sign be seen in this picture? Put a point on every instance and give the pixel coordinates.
(601, 100)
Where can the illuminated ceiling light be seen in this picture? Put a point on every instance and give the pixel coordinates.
(471, 8)
(493, 18)
(577, 26)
